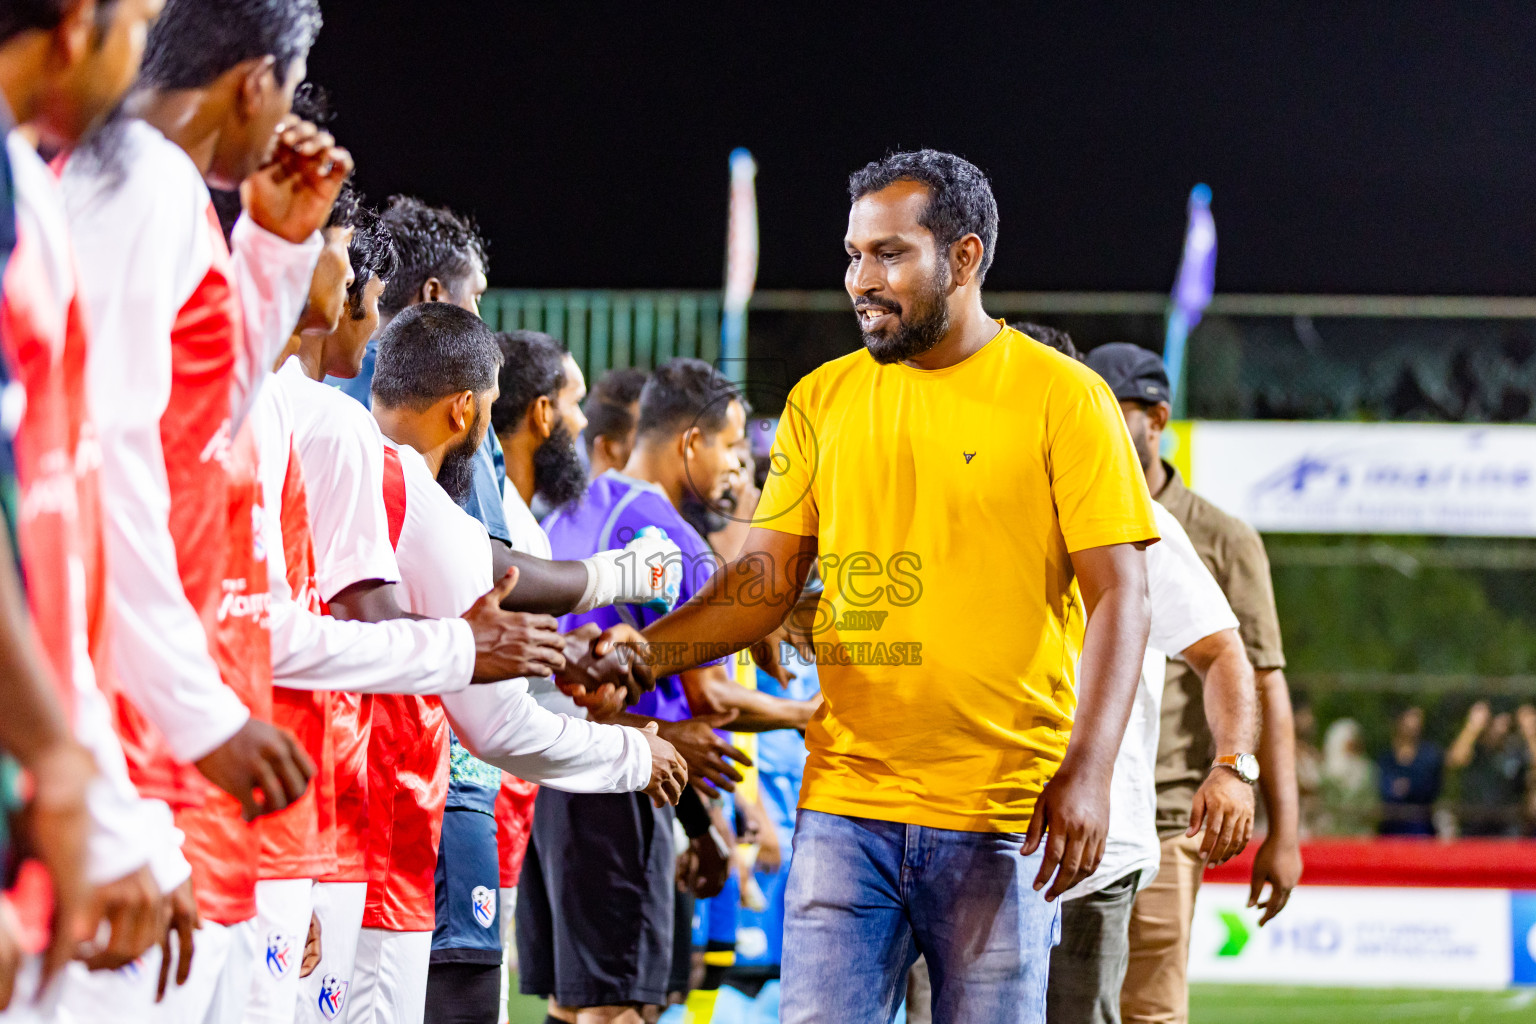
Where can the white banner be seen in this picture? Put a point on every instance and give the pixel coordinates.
(1409, 938)
(1404, 478)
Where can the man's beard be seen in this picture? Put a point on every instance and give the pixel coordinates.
(457, 473)
(558, 475)
(917, 330)
(1144, 453)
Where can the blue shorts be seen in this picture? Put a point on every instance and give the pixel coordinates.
(468, 895)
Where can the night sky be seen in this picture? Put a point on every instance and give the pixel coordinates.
(1351, 147)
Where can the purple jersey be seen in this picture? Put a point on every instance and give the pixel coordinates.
(613, 510)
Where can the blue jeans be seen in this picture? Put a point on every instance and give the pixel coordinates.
(865, 897)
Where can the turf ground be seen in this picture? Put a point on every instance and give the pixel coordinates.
(1251, 1004)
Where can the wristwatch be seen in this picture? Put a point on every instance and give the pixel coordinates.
(1245, 765)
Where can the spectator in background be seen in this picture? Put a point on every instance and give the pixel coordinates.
(1493, 761)
(1309, 770)
(613, 409)
(1411, 776)
(1347, 785)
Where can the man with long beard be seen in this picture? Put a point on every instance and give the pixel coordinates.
(976, 495)
(537, 416)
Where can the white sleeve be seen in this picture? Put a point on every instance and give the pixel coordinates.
(503, 726)
(346, 509)
(139, 254)
(272, 276)
(1187, 602)
(127, 831)
(410, 656)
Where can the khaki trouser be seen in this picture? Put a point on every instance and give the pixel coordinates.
(1157, 981)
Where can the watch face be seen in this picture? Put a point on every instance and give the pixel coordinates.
(1247, 767)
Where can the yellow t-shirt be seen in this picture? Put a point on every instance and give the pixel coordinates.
(944, 504)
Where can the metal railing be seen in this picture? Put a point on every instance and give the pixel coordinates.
(604, 329)
(609, 328)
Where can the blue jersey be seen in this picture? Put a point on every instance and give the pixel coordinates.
(614, 509)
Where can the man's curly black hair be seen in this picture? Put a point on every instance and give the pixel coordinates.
(431, 242)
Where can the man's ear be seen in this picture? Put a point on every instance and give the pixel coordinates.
(75, 35)
(541, 417)
(965, 258)
(689, 440)
(433, 290)
(1159, 415)
(461, 411)
(254, 78)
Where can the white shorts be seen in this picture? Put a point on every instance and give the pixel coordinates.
(389, 983)
(23, 1010)
(220, 984)
(126, 994)
(324, 996)
(283, 907)
(508, 949)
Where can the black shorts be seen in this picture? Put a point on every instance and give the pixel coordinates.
(595, 902)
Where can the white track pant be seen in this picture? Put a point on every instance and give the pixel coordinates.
(389, 984)
(325, 997)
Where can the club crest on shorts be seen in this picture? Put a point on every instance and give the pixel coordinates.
(483, 902)
(279, 954)
(333, 996)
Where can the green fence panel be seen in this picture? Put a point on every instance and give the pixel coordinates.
(608, 329)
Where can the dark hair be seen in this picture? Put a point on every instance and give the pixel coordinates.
(607, 405)
(196, 41)
(684, 393)
(532, 364)
(1051, 337)
(371, 251)
(312, 103)
(960, 198)
(432, 241)
(18, 16)
(433, 350)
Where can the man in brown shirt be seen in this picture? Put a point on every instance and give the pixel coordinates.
(1156, 983)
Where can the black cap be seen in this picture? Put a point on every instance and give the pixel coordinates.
(1132, 373)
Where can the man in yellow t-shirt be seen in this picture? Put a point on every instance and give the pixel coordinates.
(978, 514)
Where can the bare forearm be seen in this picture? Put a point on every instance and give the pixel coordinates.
(1109, 670)
(543, 587)
(1231, 702)
(1277, 754)
(33, 721)
(1460, 754)
(755, 711)
(737, 606)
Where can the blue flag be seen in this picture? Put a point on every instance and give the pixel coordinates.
(1192, 289)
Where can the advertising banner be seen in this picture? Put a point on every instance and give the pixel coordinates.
(1384, 478)
(1360, 937)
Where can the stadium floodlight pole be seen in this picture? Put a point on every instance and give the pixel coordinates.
(1192, 290)
(740, 266)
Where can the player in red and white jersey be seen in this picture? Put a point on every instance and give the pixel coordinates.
(185, 325)
(60, 92)
(310, 651)
(433, 384)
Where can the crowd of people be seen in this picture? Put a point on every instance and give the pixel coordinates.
(314, 719)
(1483, 785)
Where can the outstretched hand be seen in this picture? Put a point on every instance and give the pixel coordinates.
(606, 668)
(512, 644)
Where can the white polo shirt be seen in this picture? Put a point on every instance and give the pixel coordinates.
(1187, 606)
(444, 556)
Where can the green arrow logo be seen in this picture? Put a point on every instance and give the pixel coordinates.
(1237, 934)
